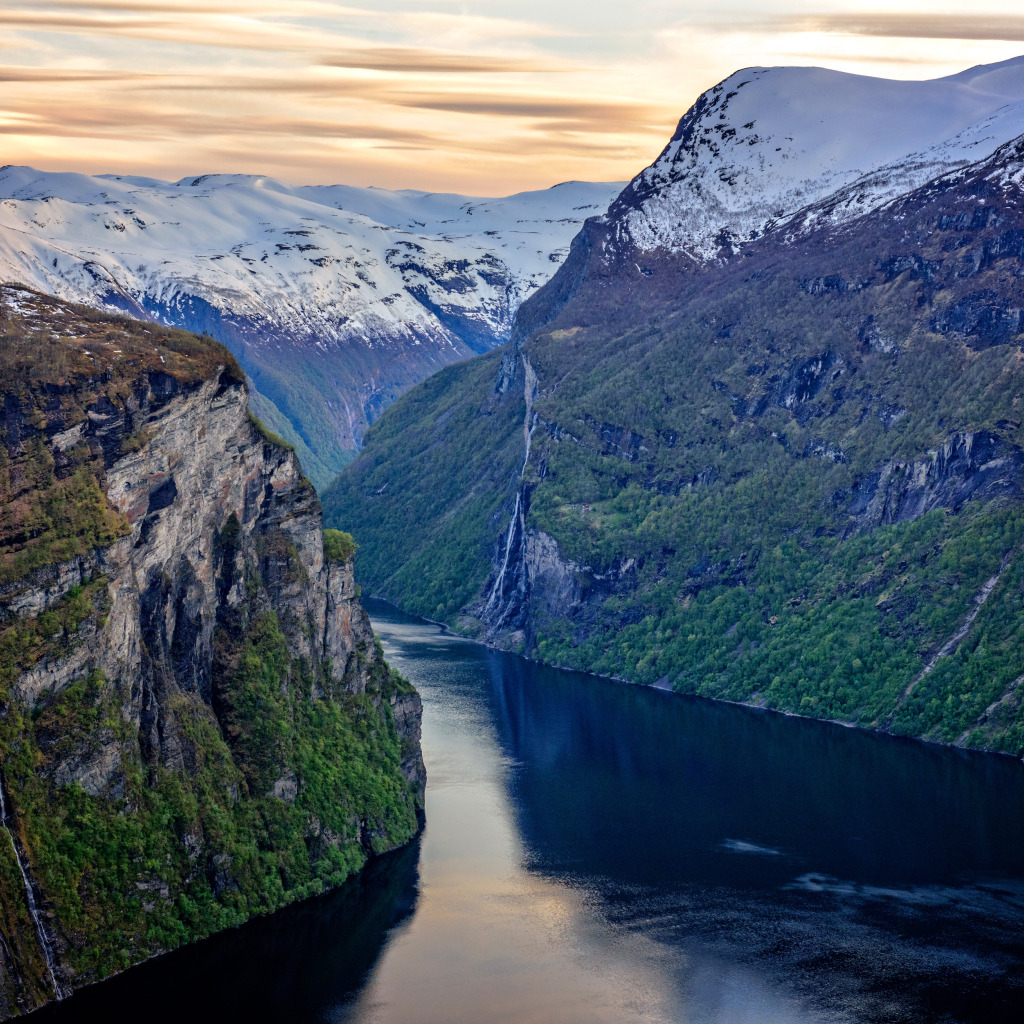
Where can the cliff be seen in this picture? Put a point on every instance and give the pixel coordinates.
(196, 722)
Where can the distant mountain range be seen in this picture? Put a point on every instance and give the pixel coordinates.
(335, 299)
(760, 437)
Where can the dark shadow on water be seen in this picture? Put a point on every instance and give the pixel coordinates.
(882, 879)
(303, 963)
(874, 878)
(655, 788)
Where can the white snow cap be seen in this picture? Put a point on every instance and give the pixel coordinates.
(769, 143)
(335, 263)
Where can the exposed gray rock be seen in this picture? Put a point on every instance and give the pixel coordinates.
(554, 580)
(969, 465)
(98, 771)
(286, 788)
(205, 461)
(408, 711)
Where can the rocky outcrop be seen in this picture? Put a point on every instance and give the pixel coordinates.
(199, 708)
(969, 465)
(166, 578)
(554, 580)
(407, 708)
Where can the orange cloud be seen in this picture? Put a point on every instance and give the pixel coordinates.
(407, 93)
(910, 26)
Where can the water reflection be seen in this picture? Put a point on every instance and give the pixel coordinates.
(492, 942)
(736, 865)
(652, 788)
(301, 964)
(599, 853)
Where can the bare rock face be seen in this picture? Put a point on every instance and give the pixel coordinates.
(197, 707)
(553, 578)
(407, 708)
(970, 465)
(206, 462)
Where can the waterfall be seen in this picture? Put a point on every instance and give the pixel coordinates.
(499, 582)
(30, 899)
(529, 392)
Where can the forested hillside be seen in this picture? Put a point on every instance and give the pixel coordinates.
(790, 477)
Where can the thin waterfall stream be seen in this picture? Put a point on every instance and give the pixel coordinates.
(529, 393)
(30, 899)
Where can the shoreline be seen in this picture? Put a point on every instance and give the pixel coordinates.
(446, 629)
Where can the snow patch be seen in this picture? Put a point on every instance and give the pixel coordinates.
(331, 264)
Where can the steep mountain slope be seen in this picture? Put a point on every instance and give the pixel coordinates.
(196, 724)
(787, 473)
(334, 299)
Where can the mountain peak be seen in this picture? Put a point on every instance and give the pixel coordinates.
(766, 143)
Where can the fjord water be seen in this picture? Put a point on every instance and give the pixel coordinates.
(602, 853)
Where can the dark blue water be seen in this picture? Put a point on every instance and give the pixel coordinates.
(602, 853)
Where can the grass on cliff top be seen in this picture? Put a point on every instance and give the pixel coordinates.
(338, 546)
(44, 340)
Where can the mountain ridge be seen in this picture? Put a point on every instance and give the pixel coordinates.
(334, 298)
(722, 179)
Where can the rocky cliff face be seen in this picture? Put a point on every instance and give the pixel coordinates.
(197, 724)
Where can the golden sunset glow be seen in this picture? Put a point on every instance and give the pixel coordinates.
(485, 96)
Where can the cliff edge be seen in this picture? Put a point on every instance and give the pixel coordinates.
(196, 722)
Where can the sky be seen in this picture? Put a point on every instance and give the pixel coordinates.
(484, 97)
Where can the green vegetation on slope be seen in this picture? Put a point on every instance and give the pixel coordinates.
(784, 480)
(299, 397)
(452, 456)
(320, 465)
(338, 546)
(180, 854)
(148, 810)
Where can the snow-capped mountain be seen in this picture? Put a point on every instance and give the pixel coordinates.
(769, 146)
(694, 426)
(334, 298)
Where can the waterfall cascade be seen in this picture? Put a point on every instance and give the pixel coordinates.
(493, 606)
(30, 900)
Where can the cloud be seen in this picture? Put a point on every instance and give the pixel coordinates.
(220, 30)
(547, 124)
(12, 74)
(409, 60)
(589, 112)
(437, 93)
(299, 27)
(249, 8)
(1007, 28)
(93, 121)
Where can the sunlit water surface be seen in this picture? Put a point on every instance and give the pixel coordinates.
(601, 853)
